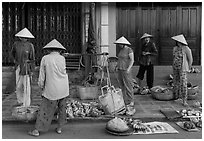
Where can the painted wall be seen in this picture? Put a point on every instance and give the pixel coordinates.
(112, 28)
(106, 26)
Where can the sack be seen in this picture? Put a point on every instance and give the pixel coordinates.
(112, 100)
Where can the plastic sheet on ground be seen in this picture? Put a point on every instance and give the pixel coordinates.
(157, 128)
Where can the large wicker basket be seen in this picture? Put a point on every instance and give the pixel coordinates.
(163, 96)
(88, 92)
(25, 113)
(193, 92)
(112, 63)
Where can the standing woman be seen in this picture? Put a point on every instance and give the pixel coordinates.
(182, 62)
(24, 55)
(146, 61)
(53, 80)
(125, 63)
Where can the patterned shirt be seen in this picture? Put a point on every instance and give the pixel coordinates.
(182, 58)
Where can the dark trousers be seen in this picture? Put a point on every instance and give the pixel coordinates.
(47, 111)
(149, 75)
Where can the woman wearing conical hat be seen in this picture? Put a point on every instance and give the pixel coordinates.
(53, 80)
(24, 56)
(124, 65)
(146, 61)
(182, 62)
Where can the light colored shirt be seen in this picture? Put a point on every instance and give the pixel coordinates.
(123, 58)
(53, 78)
(187, 58)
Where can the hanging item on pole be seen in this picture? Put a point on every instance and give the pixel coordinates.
(91, 44)
(112, 99)
(91, 59)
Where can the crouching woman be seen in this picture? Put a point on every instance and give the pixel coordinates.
(53, 80)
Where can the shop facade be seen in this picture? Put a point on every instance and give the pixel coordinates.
(68, 23)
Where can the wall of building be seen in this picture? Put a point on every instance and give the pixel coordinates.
(112, 28)
(106, 26)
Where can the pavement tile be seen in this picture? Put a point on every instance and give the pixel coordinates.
(166, 106)
(153, 107)
(146, 106)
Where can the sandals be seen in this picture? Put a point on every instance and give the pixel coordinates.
(34, 133)
(58, 130)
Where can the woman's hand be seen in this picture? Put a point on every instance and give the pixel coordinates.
(146, 53)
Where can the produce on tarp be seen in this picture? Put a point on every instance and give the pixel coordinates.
(83, 109)
(194, 70)
(190, 112)
(137, 125)
(189, 125)
(195, 117)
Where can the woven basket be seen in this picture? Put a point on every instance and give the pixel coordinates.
(112, 63)
(90, 92)
(25, 113)
(163, 96)
(192, 92)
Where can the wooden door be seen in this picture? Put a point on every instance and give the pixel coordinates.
(128, 26)
(133, 21)
(190, 19)
(184, 20)
(162, 20)
(148, 24)
(168, 23)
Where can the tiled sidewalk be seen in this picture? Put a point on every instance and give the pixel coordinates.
(146, 106)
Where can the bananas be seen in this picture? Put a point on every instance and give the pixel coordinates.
(139, 127)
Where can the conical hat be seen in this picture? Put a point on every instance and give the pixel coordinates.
(122, 40)
(146, 35)
(180, 38)
(24, 33)
(54, 44)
